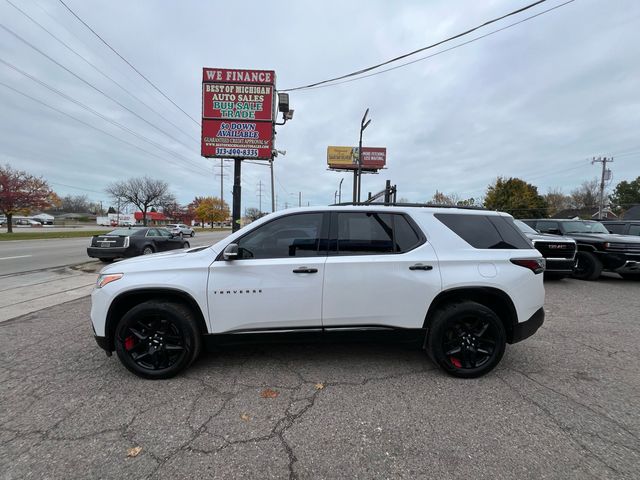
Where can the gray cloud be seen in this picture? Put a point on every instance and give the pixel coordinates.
(534, 101)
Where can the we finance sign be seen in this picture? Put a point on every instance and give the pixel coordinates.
(237, 113)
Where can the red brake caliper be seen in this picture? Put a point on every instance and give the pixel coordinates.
(129, 343)
(456, 362)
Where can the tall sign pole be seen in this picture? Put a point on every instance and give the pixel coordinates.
(238, 112)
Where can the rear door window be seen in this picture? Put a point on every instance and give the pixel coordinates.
(614, 227)
(373, 233)
(634, 230)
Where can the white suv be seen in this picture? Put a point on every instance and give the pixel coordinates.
(461, 282)
(181, 229)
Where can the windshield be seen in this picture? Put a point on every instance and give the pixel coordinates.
(123, 232)
(524, 227)
(584, 227)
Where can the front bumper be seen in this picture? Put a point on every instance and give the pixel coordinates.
(560, 265)
(527, 328)
(630, 266)
(103, 343)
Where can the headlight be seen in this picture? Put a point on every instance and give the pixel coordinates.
(106, 278)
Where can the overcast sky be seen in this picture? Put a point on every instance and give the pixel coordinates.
(534, 101)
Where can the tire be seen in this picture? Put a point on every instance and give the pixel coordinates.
(186, 245)
(147, 250)
(157, 339)
(588, 266)
(106, 260)
(630, 276)
(193, 233)
(466, 339)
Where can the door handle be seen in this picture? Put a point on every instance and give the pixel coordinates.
(305, 270)
(419, 266)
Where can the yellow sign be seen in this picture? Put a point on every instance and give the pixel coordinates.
(341, 156)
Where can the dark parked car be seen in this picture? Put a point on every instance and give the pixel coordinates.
(131, 242)
(559, 252)
(622, 227)
(598, 249)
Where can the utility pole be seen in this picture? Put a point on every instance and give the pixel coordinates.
(299, 199)
(260, 195)
(605, 173)
(237, 194)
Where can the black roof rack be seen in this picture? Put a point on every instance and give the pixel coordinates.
(395, 204)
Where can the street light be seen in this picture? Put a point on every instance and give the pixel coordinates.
(363, 125)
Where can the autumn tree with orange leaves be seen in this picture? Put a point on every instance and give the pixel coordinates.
(21, 192)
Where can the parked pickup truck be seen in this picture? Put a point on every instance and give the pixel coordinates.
(598, 249)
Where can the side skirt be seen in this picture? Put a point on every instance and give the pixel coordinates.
(338, 334)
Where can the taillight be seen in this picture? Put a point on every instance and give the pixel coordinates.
(126, 242)
(536, 265)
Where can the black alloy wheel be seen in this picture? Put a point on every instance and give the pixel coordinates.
(157, 340)
(588, 266)
(466, 339)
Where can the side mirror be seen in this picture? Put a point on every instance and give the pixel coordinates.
(230, 252)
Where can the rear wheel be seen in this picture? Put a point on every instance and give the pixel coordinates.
(588, 266)
(148, 250)
(186, 245)
(157, 339)
(193, 233)
(466, 339)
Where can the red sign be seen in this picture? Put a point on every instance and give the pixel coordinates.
(236, 139)
(237, 113)
(238, 102)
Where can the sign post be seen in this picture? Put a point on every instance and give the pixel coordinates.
(238, 108)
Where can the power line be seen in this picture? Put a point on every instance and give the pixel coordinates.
(433, 45)
(40, 102)
(107, 119)
(128, 63)
(104, 74)
(8, 30)
(426, 57)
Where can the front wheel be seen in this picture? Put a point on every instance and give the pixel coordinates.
(193, 233)
(466, 339)
(157, 339)
(588, 266)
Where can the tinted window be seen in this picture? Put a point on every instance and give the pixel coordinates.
(544, 226)
(634, 230)
(614, 227)
(291, 236)
(364, 233)
(406, 237)
(152, 232)
(163, 232)
(483, 231)
(509, 232)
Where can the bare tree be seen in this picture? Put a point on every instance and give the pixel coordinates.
(557, 201)
(142, 192)
(586, 195)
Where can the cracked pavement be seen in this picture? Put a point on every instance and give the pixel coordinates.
(563, 404)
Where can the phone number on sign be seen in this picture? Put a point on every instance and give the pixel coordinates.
(237, 152)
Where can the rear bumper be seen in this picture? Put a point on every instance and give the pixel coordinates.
(527, 328)
(97, 252)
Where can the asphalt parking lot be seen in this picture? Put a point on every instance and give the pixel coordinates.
(563, 404)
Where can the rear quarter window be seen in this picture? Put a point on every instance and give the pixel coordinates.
(485, 231)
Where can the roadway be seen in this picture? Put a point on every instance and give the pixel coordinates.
(21, 256)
